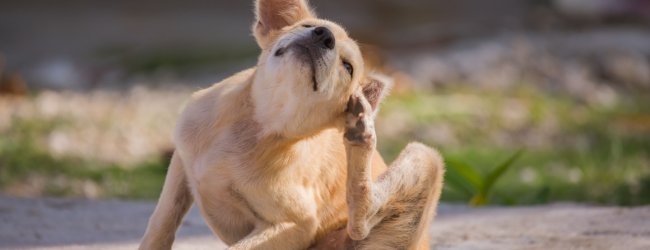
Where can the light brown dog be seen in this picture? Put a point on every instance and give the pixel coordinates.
(282, 156)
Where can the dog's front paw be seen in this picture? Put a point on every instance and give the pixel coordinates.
(359, 123)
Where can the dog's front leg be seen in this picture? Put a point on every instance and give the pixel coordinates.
(280, 236)
(360, 138)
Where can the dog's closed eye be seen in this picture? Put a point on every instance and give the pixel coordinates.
(348, 67)
(280, 51)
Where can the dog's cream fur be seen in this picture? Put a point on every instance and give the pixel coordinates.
(282, 156)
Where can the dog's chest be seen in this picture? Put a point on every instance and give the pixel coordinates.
(280, 202)
(289, 182)
(278, 189)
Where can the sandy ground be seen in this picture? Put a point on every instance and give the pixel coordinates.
(88, 224)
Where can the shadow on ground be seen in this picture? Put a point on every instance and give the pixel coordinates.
(85, 224)
(90, 224)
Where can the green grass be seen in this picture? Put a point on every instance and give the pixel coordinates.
(573, 150)
(590, 153)
(22, 157)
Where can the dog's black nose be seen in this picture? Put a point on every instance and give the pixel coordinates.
(324, 37)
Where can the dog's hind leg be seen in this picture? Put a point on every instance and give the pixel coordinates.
(393, 212)
(173, 204)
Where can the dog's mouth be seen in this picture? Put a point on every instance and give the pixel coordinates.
(313, 50)
(307, 56)
(311, 56)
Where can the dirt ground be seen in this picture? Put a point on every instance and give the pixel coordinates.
(91, 224)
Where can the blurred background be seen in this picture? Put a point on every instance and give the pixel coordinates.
(530, 101)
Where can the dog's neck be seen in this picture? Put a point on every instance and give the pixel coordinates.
(271, 150)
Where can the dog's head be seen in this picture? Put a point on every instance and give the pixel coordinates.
(307, 71)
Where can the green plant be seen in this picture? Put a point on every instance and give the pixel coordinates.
(467, 179)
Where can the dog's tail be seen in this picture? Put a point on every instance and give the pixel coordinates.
(173, 204)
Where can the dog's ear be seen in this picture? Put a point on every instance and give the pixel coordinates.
(375, 88)
(273, 15)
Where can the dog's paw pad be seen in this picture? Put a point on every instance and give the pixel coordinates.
(359, 125)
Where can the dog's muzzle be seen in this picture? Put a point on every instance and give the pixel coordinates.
(312, 48)
(318, 42)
